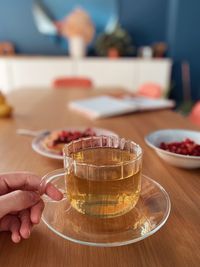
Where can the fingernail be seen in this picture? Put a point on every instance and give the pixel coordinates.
(35, 220)
(16, 239)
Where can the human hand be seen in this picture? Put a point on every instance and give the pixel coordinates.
(21, 205)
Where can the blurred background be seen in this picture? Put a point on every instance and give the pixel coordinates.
(138, 45)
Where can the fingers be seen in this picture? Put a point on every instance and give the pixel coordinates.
(36, 212)
(14, 228)
(21, 225)
(51, 191)
(26, 225)
(11, 223)
(18, 180)
(27, 181)
(17, 201)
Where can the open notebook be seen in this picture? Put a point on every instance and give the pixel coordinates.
(107, 106)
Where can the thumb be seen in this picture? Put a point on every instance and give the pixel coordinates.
(17, 200)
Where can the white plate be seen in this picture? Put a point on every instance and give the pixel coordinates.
(37, 141)
(174, 135)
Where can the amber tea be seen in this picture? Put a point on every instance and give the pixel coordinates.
(104, 181)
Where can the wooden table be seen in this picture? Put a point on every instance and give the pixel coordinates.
(176, 244)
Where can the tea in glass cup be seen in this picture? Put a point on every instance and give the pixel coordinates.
(103, 175)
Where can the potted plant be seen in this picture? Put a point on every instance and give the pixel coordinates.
(114, 44)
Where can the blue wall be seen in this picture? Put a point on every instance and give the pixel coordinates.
(145, 24)
(17, 25)
(183, 36)
(145, 20)
(173, 21)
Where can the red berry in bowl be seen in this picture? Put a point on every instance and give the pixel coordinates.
(186, 147)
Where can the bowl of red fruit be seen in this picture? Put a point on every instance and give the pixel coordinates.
(180, 148)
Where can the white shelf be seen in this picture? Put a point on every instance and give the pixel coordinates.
(37, 72)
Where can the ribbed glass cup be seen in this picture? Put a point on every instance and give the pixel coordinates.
(103, 175)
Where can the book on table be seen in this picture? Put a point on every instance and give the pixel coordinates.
(108, 106)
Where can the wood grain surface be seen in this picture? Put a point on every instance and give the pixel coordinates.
(176, 244)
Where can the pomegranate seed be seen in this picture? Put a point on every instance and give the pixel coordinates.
(186, 147)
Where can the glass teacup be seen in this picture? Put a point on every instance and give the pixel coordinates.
(103, 175)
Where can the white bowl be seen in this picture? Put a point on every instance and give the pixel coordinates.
(174, 135)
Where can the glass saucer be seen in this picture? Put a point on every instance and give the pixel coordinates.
(148, 216)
